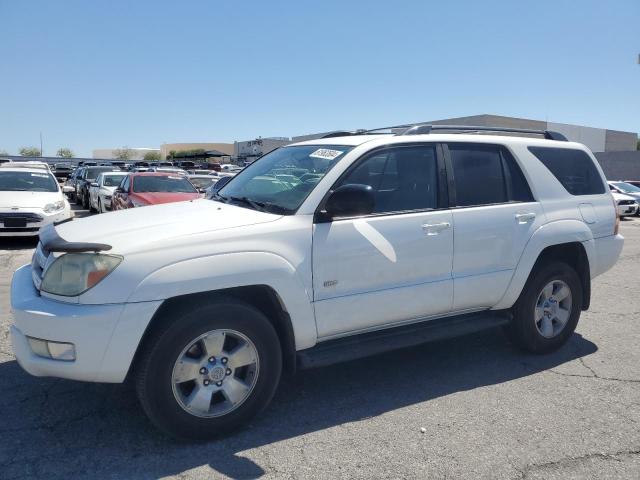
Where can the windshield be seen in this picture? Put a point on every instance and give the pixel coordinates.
(92, 173)
(162, 184)
(203, 182)
(626, 187)
(112, 180)
(27, 182)
(281, 180)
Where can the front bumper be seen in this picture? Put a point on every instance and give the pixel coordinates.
(33, 228)
(626, 210)
(105, 336)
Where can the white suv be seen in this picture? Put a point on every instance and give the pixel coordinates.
(318, 252)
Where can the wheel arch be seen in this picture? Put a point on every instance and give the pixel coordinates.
(261, 297)
(570, 241)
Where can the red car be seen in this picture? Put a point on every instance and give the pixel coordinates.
(142, 189)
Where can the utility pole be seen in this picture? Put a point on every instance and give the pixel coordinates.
(41, 152)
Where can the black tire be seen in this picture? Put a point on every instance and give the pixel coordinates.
(160, 352)
(85, 201)
(100, 210)
(77, 199)
(522, 329)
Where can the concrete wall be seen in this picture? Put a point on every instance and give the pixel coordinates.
(620, 165)
(618, 141)
(594, 138)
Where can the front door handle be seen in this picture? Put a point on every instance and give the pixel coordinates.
(435, 228)
(525, 217)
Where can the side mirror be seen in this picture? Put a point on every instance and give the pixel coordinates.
(118, 190)
(222, 182)
(350, 200)
(94, 184)
(201, 190)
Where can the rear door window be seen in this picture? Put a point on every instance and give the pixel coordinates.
(573, 168)
(485, 175)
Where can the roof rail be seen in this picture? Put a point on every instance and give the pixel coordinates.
(425, 128)
(338, 133)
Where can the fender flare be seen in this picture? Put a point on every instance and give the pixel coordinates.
(232, 270)
(549, 234)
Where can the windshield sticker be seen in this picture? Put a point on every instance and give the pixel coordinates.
(40, 175)
(326, 154)
(174, 178)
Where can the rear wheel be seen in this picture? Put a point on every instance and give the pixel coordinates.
(208, 371)
(548, 310)
(85, 201)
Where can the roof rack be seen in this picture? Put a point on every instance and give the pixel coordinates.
(422, 129)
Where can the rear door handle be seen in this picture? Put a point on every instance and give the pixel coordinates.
(435, 228)
(525, 217)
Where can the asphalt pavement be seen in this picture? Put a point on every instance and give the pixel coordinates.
(471, 407)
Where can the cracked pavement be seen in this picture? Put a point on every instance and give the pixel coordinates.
(488, 411)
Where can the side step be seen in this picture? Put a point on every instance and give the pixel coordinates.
(372, 343)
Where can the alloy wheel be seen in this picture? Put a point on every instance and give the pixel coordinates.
(553, 308)
(215, 373)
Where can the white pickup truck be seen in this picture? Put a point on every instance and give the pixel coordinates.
(319, 252)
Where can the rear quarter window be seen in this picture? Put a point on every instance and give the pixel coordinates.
(573, 168)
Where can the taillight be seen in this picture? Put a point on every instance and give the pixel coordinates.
(617, 222)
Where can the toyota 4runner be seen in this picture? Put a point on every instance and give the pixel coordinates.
(319, 252)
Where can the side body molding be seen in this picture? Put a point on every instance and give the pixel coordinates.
(553, 233)
(230, 270)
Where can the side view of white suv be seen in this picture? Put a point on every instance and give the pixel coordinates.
(319, 252)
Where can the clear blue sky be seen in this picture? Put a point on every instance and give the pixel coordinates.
(96, 74)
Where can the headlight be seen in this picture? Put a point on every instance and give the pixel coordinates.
(74, 273)
(54, 207)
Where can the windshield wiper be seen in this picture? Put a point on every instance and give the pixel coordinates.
(247, 201)
(260, 206)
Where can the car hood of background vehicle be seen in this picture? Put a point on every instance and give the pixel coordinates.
(156, 198)
(28, 199)
(623, 196)
(134, 229)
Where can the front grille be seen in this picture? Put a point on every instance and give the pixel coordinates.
(626, 202)
(26, 216)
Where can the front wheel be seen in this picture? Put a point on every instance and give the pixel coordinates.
(548, 310)
(210, 370)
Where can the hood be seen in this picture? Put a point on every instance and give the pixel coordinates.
(137, 228)
(623, 196)
(28, 199)
(156, 198)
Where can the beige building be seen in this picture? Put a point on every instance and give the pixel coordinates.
(111, 153)
(165, 148)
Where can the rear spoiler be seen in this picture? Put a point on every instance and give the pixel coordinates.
(52, 242)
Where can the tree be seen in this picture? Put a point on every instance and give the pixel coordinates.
(3, 153)
(152, 156)
(638, 144)
(124, 153)
(30, 152)
(64, 153)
